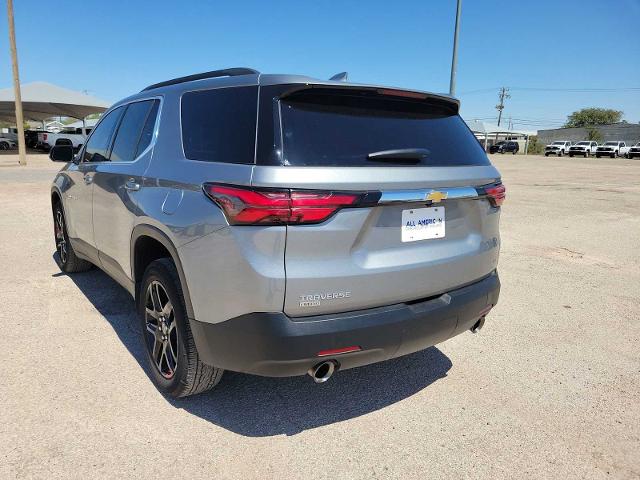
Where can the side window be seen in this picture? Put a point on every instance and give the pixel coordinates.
(129, 132)
(219, 125)
(98, 144)
(147, 131)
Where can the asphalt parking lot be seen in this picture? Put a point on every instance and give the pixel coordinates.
(549, 389)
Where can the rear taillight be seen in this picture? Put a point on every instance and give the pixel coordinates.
(496, 194)
(267, 206)
(44, 136)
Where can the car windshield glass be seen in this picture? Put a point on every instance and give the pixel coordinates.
(582, 143)
(558, 143)
(611, 143)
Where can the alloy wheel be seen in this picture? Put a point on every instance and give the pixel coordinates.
(61, 240)
(161, 330)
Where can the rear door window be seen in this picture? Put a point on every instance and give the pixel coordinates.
(219, 125)
(129, 135)
(342, 128)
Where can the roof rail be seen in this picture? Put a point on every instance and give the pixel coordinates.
(227, 72)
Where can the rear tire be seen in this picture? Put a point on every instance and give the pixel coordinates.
(571, 155)
(174, 364)
(560, 153)
(66, 257)
(4, 146)
(597, 156)
(546, 154)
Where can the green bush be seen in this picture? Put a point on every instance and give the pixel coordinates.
(535, 147)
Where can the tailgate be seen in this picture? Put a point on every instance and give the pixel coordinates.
(368, 257)
(402, 146)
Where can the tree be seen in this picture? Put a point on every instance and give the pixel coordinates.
(594, 135)
(593, 116)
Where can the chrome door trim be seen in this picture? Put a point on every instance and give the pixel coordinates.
(403, 196)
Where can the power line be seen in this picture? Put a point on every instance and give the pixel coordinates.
(541, 89)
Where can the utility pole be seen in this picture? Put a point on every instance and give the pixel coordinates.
(503, 95)
(454, 59)
(22, 150)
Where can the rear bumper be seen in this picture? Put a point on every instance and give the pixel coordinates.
(275, 345)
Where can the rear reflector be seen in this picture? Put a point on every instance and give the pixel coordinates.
(496, 194)
(338, 351)
(267, 206)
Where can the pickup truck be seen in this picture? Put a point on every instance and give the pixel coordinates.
(76, 136)
(612, 149)
(557, 148)
(634, 151)
(585, 148)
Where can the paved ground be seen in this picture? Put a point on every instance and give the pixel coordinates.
(549, 389)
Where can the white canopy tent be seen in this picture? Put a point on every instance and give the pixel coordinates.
(485, 129)
(42, 100)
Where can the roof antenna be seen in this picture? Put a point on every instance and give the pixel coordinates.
(340, 77)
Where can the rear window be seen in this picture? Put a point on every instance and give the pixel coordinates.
(219, 125)
(341, 128)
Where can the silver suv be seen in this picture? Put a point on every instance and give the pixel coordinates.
(280, 225)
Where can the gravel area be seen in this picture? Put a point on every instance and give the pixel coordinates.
(549, 389)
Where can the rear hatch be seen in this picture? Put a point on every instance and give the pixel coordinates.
(420, 224)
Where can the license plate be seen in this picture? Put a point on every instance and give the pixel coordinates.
(422, 224)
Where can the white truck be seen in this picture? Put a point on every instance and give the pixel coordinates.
(585, 148)
(558, 148)
(612, 149)
(69, 136)
(634, 151)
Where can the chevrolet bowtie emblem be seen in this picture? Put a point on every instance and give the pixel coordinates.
(436, 196)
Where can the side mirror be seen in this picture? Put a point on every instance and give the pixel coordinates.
(61, 153)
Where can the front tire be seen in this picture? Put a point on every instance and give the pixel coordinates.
(66, 257)
(174, 364)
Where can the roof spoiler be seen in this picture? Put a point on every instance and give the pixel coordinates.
(227, 72)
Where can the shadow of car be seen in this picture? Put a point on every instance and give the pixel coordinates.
(261, 406)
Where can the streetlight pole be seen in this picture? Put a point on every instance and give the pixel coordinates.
(22, 150)
(454, 59)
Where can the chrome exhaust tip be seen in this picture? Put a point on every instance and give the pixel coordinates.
(477, 326)
(322, 371)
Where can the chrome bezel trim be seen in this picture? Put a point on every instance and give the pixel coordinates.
(405, 196)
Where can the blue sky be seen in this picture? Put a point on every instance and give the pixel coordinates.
(114, 48)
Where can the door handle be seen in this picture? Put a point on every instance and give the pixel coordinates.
(131, 185)
(88, 179)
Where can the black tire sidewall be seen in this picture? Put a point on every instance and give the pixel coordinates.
(159, 271)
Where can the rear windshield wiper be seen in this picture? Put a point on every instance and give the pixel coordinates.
(414, 155)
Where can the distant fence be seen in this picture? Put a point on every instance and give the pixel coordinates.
(626, 132)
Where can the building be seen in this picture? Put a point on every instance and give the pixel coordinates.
(626, 132)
